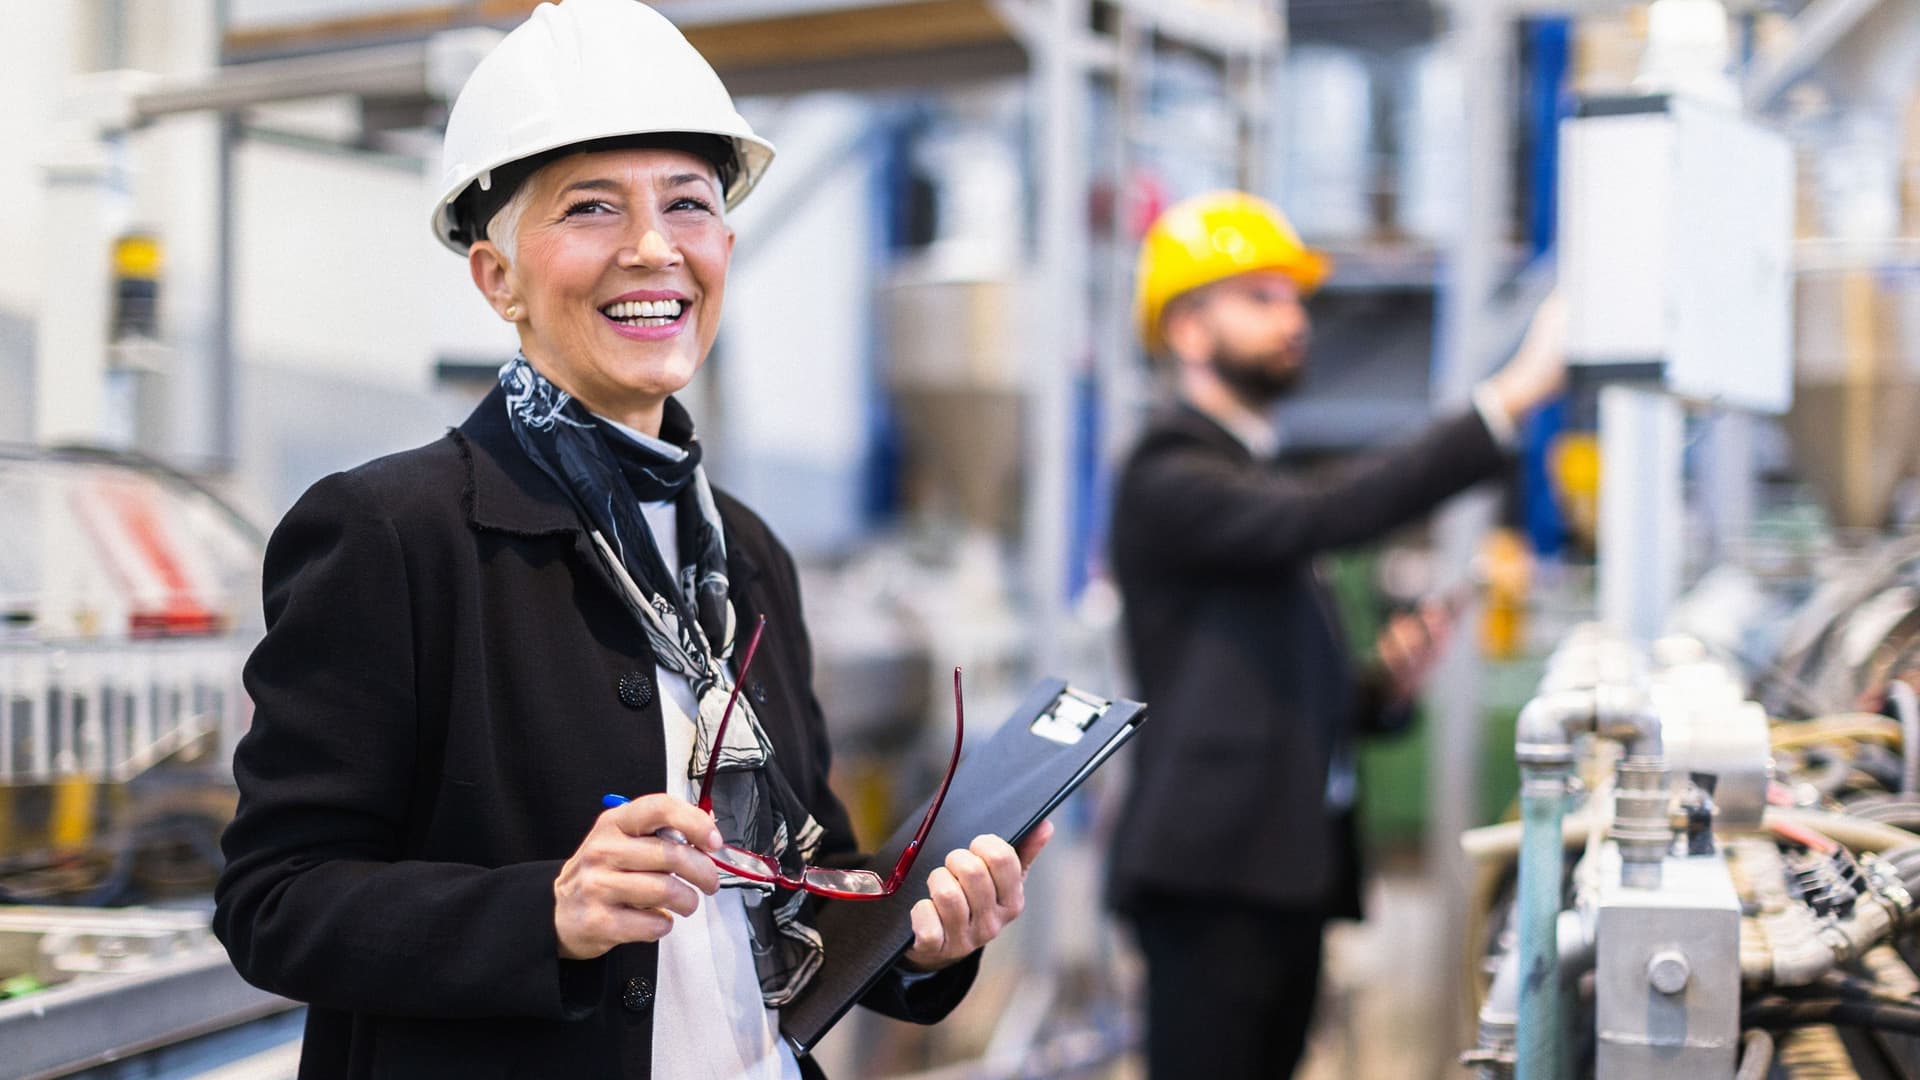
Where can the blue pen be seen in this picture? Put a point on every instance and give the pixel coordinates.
(611, 800)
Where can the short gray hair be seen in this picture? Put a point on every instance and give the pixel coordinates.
(504, 229)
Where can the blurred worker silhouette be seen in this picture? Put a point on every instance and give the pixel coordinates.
(1237, 839)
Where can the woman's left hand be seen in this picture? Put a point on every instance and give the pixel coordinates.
(972, 898)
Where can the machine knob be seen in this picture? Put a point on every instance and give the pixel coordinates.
(1667, 970)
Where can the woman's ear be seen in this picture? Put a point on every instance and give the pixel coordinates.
(488, 265)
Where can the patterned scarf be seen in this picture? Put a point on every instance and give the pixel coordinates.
(690, 625)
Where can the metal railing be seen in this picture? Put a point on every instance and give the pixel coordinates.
(109, 711)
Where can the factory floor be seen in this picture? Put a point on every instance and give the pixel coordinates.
(1387, 1007)
(1386, 1011)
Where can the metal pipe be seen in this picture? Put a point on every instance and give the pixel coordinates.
(398, 71)
(1543, 789)
(1059, 110)
(1640, 824)
(1642, 446)
(224, 450)
(1543, 747)
(1545, 732)
(1499, 1017)
(1546, 725)
(1907, 706)
(1464, 343)
(1542, 800)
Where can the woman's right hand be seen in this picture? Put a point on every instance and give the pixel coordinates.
(625, 884)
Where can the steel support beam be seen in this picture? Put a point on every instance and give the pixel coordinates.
(1483, 38)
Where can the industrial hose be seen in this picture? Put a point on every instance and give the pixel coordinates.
(1774, 1011)
(1813, 1053)
(1901, 812)
(1889, 972)
(1794, 734)
(1756, 1055)
(1856, 833)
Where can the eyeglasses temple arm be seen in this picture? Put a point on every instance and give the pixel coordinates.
(912, 850)
(720, 732)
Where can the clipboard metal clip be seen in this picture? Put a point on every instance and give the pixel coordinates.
(1069, 716)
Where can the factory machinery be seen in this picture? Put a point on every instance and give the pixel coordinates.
(1716, 871)
(125, 615)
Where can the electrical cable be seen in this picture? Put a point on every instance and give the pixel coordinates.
(1880, 762)
(1779, 1011)
(1840, 984)
(1852, 832)
(1825, 771)
(1807, 838)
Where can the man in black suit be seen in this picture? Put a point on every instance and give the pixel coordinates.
(1236, 645)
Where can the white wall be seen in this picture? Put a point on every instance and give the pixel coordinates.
(797, 334)
(337, 271)
(37, 52)
(341, 294)
(251, 13)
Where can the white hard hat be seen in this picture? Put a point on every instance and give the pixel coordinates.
(585, 71)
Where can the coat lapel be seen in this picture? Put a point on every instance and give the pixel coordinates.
(506, 492)
(1191, 422)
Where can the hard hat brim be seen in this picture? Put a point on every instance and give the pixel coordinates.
(752, 153)
(1308, 269)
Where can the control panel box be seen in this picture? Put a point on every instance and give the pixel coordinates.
(1676, 249)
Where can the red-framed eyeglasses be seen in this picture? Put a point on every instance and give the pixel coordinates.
(821, 880)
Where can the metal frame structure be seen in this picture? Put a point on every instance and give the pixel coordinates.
(98, 1020)
(111, 711)
(1476, 323)
(402, 66)
(396, 62)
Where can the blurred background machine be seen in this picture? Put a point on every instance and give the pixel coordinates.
(126, 609)
(1714, 868)
(1727, 190)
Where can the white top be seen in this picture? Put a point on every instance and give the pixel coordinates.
(1257, 431)
(708, 1020)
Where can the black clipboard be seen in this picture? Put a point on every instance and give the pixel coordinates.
(1056, 738)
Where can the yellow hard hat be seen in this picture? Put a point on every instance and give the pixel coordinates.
(1212, 237)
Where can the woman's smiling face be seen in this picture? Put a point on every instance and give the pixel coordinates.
(615, 281)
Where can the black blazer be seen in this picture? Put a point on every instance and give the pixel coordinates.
(439, 706)
(1238, 651)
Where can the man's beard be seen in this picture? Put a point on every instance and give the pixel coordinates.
(1262, 378)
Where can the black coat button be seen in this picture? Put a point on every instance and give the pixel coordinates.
(636, 689)
(638, 994)
(759, 691)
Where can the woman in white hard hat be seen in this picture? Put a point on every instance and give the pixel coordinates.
(469, 643)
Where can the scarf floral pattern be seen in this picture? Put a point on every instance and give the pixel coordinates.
(690, 625)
